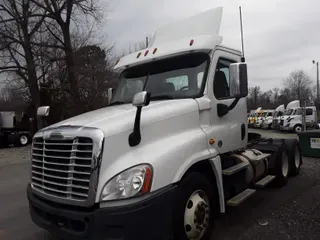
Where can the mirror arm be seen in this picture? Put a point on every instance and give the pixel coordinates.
(223, 109)
(135, 136)
(234, 103)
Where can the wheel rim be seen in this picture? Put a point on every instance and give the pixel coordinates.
(23, 140)
(297, 157)
(298, 129)
(196, 215)
(285, 164)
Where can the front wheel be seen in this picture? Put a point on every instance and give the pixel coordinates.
(195, 207)
(297, 129)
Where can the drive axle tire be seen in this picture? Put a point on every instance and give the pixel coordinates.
(294, 154)
(194, 208)
(281, 167)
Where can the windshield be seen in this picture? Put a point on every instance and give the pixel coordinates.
(264, 114)
(177, 77)
(288, 112)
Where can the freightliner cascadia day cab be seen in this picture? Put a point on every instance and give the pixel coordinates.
(168, 155)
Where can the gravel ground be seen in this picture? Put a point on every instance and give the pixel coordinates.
(291, 212)
(273, 133)
(14, 155)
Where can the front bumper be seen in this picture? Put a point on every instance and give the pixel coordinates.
(147, 218)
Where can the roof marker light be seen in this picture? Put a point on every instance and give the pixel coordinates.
(146, 53)
(139, 54)
(191, 42)
(155, 50)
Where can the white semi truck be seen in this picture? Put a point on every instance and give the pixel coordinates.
(14, 129)
(168, 155)
(278, 113)
(292, 121)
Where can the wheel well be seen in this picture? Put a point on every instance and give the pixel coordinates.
(205, 167)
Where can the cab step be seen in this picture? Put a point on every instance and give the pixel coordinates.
(265, 181)
(237, 200)
(235, 168)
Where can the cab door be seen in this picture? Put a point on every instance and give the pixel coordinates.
(230, 130)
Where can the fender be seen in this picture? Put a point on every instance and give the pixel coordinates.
(217, 169)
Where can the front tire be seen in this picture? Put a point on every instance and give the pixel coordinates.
(195, 208)
(297, 128)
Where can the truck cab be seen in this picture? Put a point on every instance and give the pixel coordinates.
(294, 122)
(278, 113)
(168, 154)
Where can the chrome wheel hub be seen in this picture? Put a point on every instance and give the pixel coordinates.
(197, 215)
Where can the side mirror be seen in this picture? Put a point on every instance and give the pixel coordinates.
(238, 80)
(141, 99)
(43, 111)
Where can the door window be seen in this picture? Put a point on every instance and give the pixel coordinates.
(309, 111)
(221, 83)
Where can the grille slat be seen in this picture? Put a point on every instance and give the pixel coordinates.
(62, 168)
(60, 157)
(58, 191)
(62, 178)
(61, 184)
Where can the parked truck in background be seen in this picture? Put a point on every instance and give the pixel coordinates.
(164, 159)
(14, 129)
(293, 120)
(267, 113)
(253, 116)
(278, 113)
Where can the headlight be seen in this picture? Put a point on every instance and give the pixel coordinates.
(131, 182)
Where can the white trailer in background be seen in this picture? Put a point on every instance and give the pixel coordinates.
(14, 129)
(163, 160)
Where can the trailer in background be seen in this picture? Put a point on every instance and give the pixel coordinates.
(14, 129)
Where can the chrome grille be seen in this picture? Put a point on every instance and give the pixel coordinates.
(62, 168)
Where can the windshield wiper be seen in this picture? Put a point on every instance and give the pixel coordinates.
(116, 103)
(161, 97)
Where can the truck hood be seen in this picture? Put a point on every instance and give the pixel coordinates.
(120, 118)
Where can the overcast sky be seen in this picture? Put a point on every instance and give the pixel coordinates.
(280, 35)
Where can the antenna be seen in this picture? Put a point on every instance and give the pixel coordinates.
(241, 29)
(147, 42)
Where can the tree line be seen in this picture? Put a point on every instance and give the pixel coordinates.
(296, 86)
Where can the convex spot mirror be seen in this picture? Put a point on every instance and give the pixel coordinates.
(238, 80)
(43, 111)
(141, 99)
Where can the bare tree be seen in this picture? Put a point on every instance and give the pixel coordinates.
(299, 84)
(20, 21)
(65, 14)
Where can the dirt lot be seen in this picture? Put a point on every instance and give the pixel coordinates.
(14, 155)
